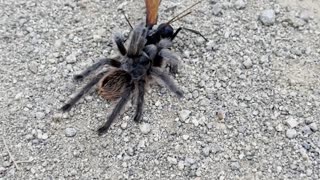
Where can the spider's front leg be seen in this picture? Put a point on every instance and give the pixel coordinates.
(83, 91)
(95, 66)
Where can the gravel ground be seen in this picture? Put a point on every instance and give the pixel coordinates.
(252, 101)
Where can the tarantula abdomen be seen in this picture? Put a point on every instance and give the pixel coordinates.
(111, 86)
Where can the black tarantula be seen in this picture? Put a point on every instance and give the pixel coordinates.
(128, 75)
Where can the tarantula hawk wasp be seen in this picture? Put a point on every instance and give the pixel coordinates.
(164, 32)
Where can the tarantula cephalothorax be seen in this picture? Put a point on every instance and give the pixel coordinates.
(128, 75)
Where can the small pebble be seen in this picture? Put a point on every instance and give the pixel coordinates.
(313, 127)
(268, 17)
(291, 133)
(279, 128)
(172, 160)
(206, 151)
(70, 132)
(184, 114)
(217, 9)
(221, 114)
(71, 58)
(240, 4)
(40, 115)
(291, 122)
(235, 166)
(145, 128)
(6, 164)
(33, 67)
(124, 125)
(180, 165)
(247, 63)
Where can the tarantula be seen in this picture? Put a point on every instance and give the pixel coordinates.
(128, 75)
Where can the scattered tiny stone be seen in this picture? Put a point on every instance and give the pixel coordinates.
(292, 122)
(306, 145)
(184, 114)
(221, 115)
(180, 165)
(29, 136)
(240, 4)
(172, 160)
(247, 63)
(33, 67)
(145, 128)
(58, 43)
(313, 126)
(268, 17)
(18, 96)
(206, 151)
(217, 9)
(70, 132)
(40, 115)
(291, 133)
(72, 58)
(44, 136)
(305, 15)
(185, 137)
(279, 128)
(190, 161)
(309, 172)
(2, 170)
(306, 130)
(235, 166)
(124, 125)
(6, 164)
(158, 103)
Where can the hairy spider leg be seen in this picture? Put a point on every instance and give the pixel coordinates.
(122, 102)
(95, 66)
(83, 91)
(140, 100)
(167, 80)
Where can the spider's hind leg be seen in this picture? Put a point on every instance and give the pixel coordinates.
(115, 112)
(140, 100)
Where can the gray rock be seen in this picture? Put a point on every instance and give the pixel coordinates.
(70, 132)
(6, 164)
(247, 63)
(313, 127)
(184, 114)
(217, 9)
(306, 130)
(180, 165)
(279, 128)
(172, 160)
(40, 115)
(206, 151)
(235, 166)
(124, 125)
(33, 67)
(292, 122)
(305, 15)
(268, 17)
(221, 114)
(240, 4)
(145, 128)
(72, 58)
(291, 133)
